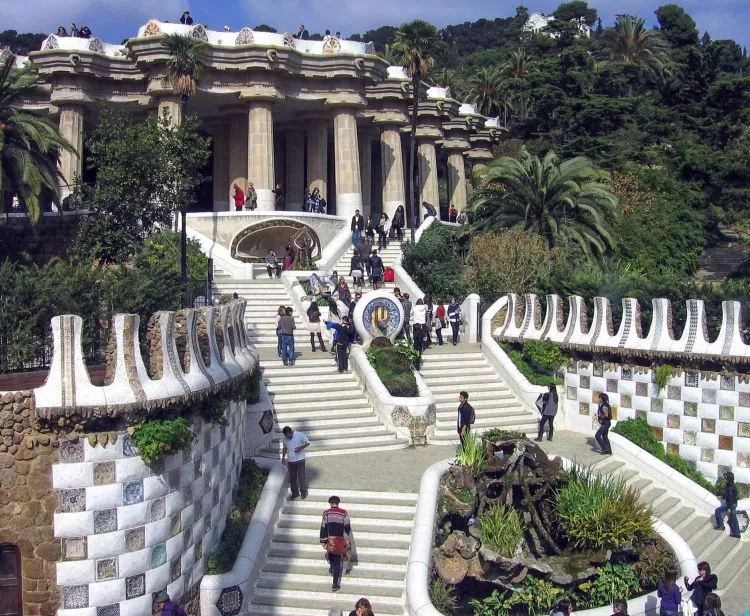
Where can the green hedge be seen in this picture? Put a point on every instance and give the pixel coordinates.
(522, 362)
(394, 369)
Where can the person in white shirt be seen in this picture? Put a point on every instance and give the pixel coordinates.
(293, 457)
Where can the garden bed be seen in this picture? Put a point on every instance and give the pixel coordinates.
(536, 360)
(393, 364)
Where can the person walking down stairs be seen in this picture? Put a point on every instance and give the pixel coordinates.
(293, 457)
(335, 531)
(548, 407)
(313, 316)
(729, 506)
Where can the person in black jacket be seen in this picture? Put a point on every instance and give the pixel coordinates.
(357, 226)
(376, 269)
(729, 506)
(186, 19)
(465, 416)
(705, 583)
(357, 269)
(604, 416)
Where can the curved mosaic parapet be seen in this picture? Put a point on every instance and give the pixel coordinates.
(525, 320)
(173, 376)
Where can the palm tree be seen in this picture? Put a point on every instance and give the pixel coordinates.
(183, 71)
(30, 146)
(562, 201)
(519, 64)
(630, 41)
(415, 42)
(486, 87)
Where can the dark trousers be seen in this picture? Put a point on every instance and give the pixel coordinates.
(278, 341)
(382, 239)
(406, 332)
(336, 562)
(274, 269)
(297, 478)
(454, 327)
(546, 419)
(439, 334)
(602, 437)
(400, 233)
(320, 340)
(342, 357)
(734, 525)
(418, 337)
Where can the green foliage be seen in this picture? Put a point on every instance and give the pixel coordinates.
(214, 410)
(545, 353)
(465, 496)
(663, 374)
(472, 453)
(600, 512)
(443, 597)
(538, 595)
(158, 438)
(612, 582)
(500, 529)
(654, 558)
(22, 43)
(524, 367)
(497, 435)
(222, 558)
(135, 195)
(394, 369)
(497, 604)
(411, 355)
(252, 480)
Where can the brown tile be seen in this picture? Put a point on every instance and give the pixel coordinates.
(708, 425)
(673, 448)
(726, 443)
(658, 432)
(673, 421)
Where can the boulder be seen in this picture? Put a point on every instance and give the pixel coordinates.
(451, 569)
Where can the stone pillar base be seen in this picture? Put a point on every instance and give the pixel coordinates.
(266, 200)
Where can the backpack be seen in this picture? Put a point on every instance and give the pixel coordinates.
(473, 417)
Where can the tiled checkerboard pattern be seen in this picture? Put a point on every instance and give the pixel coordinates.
(129, 530)
(703, 417)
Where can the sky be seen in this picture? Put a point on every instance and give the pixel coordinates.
(114, 20)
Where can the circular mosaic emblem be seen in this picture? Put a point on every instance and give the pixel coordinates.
(378, 314)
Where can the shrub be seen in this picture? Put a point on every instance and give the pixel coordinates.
(500, 529)
(612, 582)
(158, 438)
(411, 355)
(472, 453)
(534, 377)
(497, 604)
(214, 410)
(223, 557)
(252, 479)
(545, 353)
(538, 595)
(600, 512)
(654, 558)
(497, 435)
(443, 597)
(394, 370)
(663, 374)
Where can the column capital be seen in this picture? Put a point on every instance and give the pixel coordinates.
(390, 118)
(346, 100)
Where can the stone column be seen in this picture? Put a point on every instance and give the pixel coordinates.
(428, 175)
(365, 163)
(260, 153)
(220, 133)
(71, 163)
(172, 105)
(393, 169)
(237, 156)
(456, 180)
(295, 167)
(317, 156)
(348, 179)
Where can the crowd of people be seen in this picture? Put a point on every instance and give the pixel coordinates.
(75, 31)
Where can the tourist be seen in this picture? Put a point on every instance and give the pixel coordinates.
(439, 321)
(302, 33)
(429, 210)
(362, 608)
(239, 198)
(376, 269)
(420, 319)
(406, 304)
(280, 313)
(322, 207)
(356, 227)
(704, 583)
(164, 606)
(289, 255)
(342, 338)
(338, 35)
(712, 605)
(604, 416)
(669, 593)
(620, 608)
(466, 416)
(61, 31)
(287, 326)
(357, 270)
(186, 19)
(311, 200)
(85, 32)
(729, 506)
(384, 227)
(452, 213)
(342, 290)
(278, 197)
(272, 264)
(74, 30)
(454, 318)
(399, 222)
(334, 530)
(429, 312)
(251, 200)
(563, 608)
(227, 29)
(293, 457)
(369, 233)
(333, 317)
(549, 410)
(313, 317)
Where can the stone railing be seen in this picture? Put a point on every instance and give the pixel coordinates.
(523, 319)
(215, 354)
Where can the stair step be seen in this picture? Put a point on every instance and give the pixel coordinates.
(357, 508)
(322, 600)
(322, 583)
(363, 539)
(665, 506)
(311, 397)
(333, 434)
(343, 404)
(364, 419)
(312, 522)
(677, 516)
(369, 571)
(368, 554)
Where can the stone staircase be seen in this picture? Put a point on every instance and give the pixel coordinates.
(294, 578)
(332, 409)
(390, 255)
(466, 368)
(727, 556)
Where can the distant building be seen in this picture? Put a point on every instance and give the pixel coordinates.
(538, 21)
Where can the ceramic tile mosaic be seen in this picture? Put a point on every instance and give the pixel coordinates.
(135, 586)
(198, 550)
(743, 459)
(129, 448)
(673, 448)
(626, 400)
(74, 548)
(175, 569)
(674, 392)
(708, 425)
(726, 382)
(744, 398)
(158, 555)
(743, 429)
(641, 389)
(230, 601)
(612, 385)
(198, 510)
(104, 473)
(135, 539)
(188, 536)
(215, 457)
(197, 468)
(132, 492)
(105, 521)
(585, 382)
(173, 479)
(657, 405)
(188, 492)
(658, 432)
(689, 437)
(223, 433)
(75, 596)
(726, 413)
(709, 396)
(707, 455)
(72, 501)
(673, 421)
(206, 441)
(156, 467)
(690, 409)
(71, 450)
(108, 610)
(726, 443)
(626, 373)
(158, 509)
(598, 368)
(106, 569)
(174, 525)
(691, 379)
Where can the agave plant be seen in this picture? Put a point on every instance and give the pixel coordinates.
(472, 453)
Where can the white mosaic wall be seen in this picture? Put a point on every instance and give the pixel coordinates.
(703, 417)
(129, 530)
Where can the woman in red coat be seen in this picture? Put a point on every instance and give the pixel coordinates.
(239, 198)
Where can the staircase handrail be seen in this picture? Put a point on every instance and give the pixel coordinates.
(333, 250)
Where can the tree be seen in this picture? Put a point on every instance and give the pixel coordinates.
(183, 71)
(629, 41)
(577, 11)
(134, 195)
(518, 65)
(30, 146)
(561, 201)
(22, 44)
(265, 28)
(486, 90)
(415, 42)
(676, 25)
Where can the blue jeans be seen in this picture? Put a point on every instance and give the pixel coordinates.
(356, 238)
(734, 525)
(278, 341)
(287, 349)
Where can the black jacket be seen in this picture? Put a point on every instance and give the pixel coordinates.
(701, 588)
(376, 263)
(730, 494)
(465, 415)
(357, 221)
(356, 264)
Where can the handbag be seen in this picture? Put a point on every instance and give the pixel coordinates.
(336, 545)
